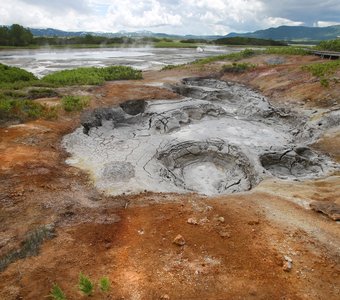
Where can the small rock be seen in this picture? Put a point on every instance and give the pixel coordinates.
(288, 264)
(165, 297)
(192, 221)
(179, 240)
(224, 234)
(220, 219)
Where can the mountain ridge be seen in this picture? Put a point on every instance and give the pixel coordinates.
(291, 33)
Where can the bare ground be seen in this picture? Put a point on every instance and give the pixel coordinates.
(241, 247)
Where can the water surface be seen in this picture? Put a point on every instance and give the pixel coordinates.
(44, 61)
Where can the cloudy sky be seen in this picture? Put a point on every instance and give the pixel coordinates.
(169, 16)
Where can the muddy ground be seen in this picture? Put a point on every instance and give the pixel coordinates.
(263, 244)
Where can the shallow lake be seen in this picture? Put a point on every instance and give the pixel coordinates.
(43, 61)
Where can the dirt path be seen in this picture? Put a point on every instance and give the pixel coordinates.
(263, 244)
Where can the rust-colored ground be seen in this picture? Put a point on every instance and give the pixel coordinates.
(238, 249)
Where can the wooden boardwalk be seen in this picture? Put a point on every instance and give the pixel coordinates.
(326, 54)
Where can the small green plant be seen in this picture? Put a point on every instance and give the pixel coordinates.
(104, 284)
(324, 82)
(169, 67)
(85, 284)
(74, 103)
(57, 293)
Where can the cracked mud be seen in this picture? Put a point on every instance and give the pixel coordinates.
(221, 138)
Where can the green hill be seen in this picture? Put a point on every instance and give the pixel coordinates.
(293, 33)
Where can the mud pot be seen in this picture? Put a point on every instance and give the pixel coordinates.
(220, 138)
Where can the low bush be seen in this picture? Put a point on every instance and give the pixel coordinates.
(91, 75)
(74, 103)
(13, 74)
(330, 45)
(286, 51)
(237, 67)
(41, 93)
(235, 56)
(323, 70)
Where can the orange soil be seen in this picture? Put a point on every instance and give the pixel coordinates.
(130, 238)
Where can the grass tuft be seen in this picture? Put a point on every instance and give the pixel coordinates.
(57, 293)
(29, 247)
(85, 284)
(104, 284)
(74, 103)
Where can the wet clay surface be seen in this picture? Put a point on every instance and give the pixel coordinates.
(263, 244)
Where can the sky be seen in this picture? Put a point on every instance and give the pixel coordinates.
(199, 17)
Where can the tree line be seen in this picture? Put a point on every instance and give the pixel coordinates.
(15, 35)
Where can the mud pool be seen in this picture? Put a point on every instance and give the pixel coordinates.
(44, 61)
(221, 138)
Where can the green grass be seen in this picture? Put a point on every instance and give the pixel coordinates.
(91, 75)
(74, 103)
(37, 93)
(13, 74)
(174, 44)
(323, 70)
(235, 56)
(29, 247)
(237, 67)
(18, 88)
(85, 285)
(57, 293)
(330, 45)
(286, 51)
(22, 110)
(104, 284)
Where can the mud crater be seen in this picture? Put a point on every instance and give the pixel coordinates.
(221, 138)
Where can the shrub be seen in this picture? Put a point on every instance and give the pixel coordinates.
(20, 109)
(231, 56)
(91, 75)
(104, 284)
(85, 284)
(286, 51)
(323, 70)
(13, 74)
(57, 293)
(74, 103)
(330, 45)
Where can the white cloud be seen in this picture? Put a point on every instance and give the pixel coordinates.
(275, 22)
(325, 24)
(169, 16)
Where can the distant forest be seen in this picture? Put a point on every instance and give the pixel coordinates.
(15, 35)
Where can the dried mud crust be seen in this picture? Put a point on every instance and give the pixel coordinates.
(209, 142)
(240, 247)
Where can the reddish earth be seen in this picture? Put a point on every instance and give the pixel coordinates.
(240, 248)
